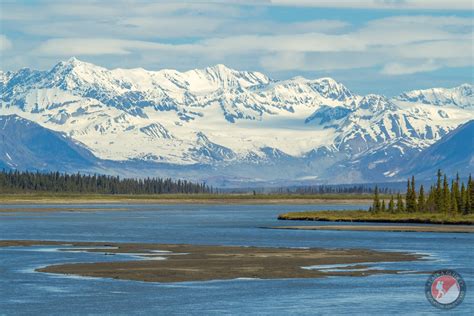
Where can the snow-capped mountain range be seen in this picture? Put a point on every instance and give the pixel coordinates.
(240, 123)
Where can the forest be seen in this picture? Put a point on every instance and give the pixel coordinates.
(24, 182)
(455, 198)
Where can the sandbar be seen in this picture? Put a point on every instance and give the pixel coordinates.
(184, 263)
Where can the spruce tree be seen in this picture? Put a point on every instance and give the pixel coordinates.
(376, 204)
(457, 193)
(454, 202)
(446, 196)
(400, 205)
(438, 196)
(413, 195)
(391, 205)
(430, 204)
(421, 200)
(469, 196)
(463, 208)
(408, 197)
(382, 207)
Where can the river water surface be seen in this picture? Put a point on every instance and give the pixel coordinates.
(25, 292)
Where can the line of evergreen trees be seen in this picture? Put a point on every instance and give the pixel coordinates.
(333, 189)
(20, 182)
(441, 198)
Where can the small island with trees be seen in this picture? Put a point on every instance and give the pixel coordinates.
(443, 203)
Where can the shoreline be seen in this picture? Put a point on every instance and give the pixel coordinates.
(183, 199)
(367, 217)
(170, 263)
(7, 211)
(385, 228)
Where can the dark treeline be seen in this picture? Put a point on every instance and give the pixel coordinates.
(19, 182)
(447, 197)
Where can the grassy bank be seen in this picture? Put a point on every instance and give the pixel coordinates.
(48, 197)
(364, 216)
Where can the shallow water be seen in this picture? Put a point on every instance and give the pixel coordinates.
(24, 291)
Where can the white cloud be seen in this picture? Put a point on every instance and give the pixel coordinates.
(305, 42)
(262, 27)
(81, 46)
(284, 61)
(155, 20)
(382, 4)
(5, 43)
(190, 34)
(322, 61)
(446, 49)
(397, 45)
(404, 69)
(96, 46)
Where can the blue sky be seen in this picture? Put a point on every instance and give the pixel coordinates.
(372, 46)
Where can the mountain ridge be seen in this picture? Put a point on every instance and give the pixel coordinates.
(222, 117)
(27, 145)
(453, 153)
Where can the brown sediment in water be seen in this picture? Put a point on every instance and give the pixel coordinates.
(386, 228)
(182, 263)
(4, 211)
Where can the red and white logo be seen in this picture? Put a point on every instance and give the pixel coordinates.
(445, 289)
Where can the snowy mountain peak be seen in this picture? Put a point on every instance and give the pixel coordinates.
(330, 88)
(327, 88)
(465, 90)
(219, 68)
(74, 63)
(330, 83)
(376, 103)
(75, 74)
(73, 60)
(222, 77)
(5, 77)
(461, 96)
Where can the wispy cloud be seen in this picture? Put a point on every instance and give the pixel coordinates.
(382, 4)
(392, 43)
(5, 43)
(404, 69)
(84, 46)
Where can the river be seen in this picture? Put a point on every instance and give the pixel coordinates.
(25, 292)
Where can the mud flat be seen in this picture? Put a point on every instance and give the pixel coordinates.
(182, 263)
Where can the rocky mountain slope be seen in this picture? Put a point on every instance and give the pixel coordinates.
(27, 145)
(452, 153)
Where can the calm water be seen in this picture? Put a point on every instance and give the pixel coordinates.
(24, 292)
